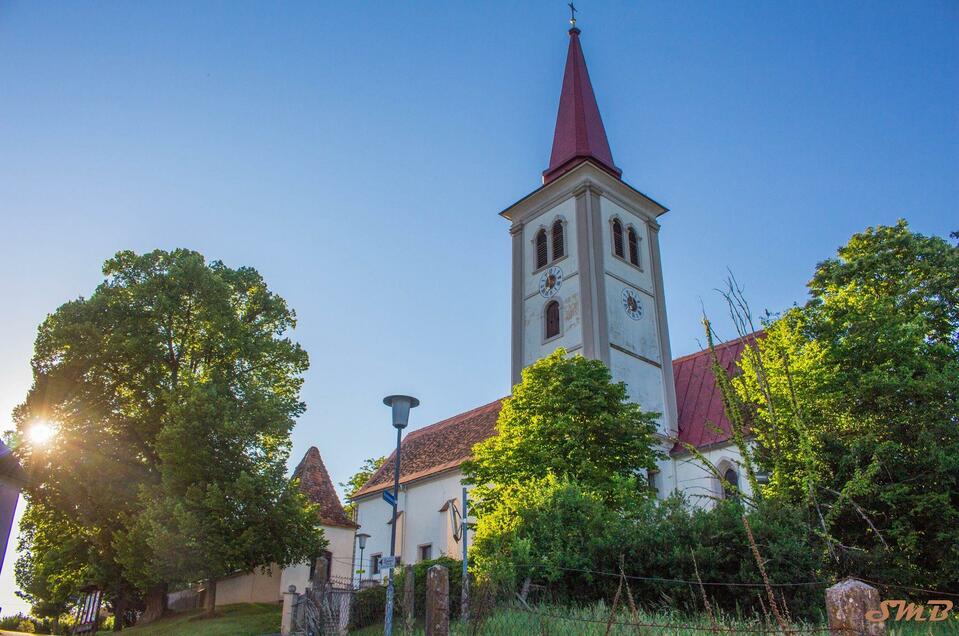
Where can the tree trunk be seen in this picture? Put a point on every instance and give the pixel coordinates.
(119, 611)
(210, 598)
(155, 604)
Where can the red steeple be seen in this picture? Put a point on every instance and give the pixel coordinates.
(579, 128)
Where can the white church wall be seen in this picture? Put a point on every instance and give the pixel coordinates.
(421, 522)
(699, 485)
(373, 516)
(426, 524)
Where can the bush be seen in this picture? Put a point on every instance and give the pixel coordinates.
(571, 546)
(26, 626)
(369, 607)
(455, 568)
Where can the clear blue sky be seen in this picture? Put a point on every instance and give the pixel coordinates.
(357, 154)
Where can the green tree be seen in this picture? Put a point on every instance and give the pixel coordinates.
(566, 418)
(352, 485)
(173, 389)
(856, 402)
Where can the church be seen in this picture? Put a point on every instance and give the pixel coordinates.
(586, 276)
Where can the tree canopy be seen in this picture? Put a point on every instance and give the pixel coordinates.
(567, 418)
(173, 390)
(856, 406)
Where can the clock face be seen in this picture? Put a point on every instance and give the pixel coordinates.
(632, 304)
(550, 282)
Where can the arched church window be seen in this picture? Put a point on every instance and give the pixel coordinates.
(730, 484)
(552, 319)
(618, 238)
(559, 243)
(633, 246)
(541, 256)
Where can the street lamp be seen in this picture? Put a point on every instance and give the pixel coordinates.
(401, 405)
(361, 539)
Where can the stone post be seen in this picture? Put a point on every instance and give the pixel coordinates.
(319, 573)
(408, 597)
(437, 601)
(846, 605)
(289, 604)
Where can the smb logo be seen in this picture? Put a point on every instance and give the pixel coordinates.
(938, 611)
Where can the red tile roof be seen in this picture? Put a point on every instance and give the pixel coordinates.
(445, 445)
(436, 447)
(316, 485)
(701, 416)
(579, 133)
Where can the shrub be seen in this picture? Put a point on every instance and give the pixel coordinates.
(369, 607)
(571, 545)
(455, 568)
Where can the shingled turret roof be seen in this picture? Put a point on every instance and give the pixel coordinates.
(443, 446)
(316, 485)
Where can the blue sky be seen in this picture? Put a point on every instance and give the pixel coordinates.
(357, 154)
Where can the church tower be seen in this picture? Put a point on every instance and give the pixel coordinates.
(586, 266)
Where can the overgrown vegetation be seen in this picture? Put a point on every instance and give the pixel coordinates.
(854, 404)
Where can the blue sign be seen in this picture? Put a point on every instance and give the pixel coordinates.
(389, 498)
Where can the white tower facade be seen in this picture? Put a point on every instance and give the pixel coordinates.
(586, 263)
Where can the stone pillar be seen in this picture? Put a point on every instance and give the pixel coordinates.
(437, 601)
(289, 604)
(846, 605)
(319, 573)
(409, 588)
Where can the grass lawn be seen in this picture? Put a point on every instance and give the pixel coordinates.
(592, 621)
(247, 619)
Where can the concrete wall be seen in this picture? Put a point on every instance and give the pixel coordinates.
(254, 587)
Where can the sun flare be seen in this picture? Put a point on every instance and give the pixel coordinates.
(41, 432)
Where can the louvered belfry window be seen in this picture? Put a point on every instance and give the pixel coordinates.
(541, 255)
(552, 319)
(633, 247)
(618, 238)
(559, 245)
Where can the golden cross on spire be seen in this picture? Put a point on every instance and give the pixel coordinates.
(572, 14)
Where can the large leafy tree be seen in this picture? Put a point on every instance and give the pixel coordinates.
(567, 418)
(173, 389)
(856, 398)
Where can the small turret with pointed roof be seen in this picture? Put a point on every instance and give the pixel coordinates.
(579, 134)
(315, 483)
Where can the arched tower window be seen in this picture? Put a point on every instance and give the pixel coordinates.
(618, 238)
(552, 319)
(541, 256)
(731, 484)
(633, 246)
(559, 243)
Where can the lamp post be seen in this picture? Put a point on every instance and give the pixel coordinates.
(401, 405)
(361, 539)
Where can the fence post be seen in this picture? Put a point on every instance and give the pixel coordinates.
(289, 604)
(437, 601)
(846, 605)
(408, 596)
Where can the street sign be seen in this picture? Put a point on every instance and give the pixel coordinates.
(389, 562)
(389, 498)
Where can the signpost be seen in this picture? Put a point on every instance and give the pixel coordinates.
(389, 498)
